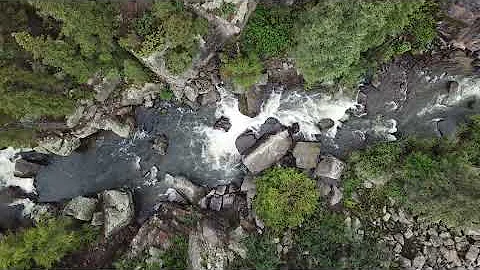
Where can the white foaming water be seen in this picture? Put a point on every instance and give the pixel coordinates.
(7, 168)
(306, 110)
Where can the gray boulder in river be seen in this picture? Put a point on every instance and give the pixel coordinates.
(81, 208)
(118, 209)
(268, 152)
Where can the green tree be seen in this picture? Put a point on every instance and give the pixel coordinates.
(244, 71)
(334, 36)
(43, 245)
(285, 197)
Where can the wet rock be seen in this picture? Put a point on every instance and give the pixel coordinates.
(268, 152)
(118, 210)
(228, 201)
(325, 124)
(209, 98)
(26, 169)
(121, 129)
(215, 203)
(468, 38)
(191, 192)
(419, 262)
(160, 144)
(399, 238)
(247, 140)
(472, 254)
(97, 219)
(220, 190)
(81, 208)
(248, 186)
(62, 146)
(330, 167)
(173, 196)
(404, 262)
(223, 123)
(35, 157)
(235, 244)
(306, 154)
(254, 99)
(336, 197)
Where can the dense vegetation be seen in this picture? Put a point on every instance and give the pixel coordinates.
(43, 245)
(435, 178)
(341, 40)
(169, 28)
(285, 197)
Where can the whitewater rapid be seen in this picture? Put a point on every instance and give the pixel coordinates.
(306, 109)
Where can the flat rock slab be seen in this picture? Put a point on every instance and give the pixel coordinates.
(268, 152)
(81, 208)
(330, 167)
(306, 154)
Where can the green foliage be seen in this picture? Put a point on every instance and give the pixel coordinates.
(166, 95)
(226, 10)
(324, 242)
(245, 71)
(175, 257)
(270, 31)
(261, 254)
(17, 137)
(168, 27)
(437, 179)
(285, 197)
(134, 72)
(43, 245)
(338, 40)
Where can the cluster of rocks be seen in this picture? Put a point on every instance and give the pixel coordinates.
(418, 244)
(114, 209)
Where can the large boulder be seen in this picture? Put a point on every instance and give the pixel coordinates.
(306, 154)
(268, 152)
(137, 96)
(81, 208)
(118, 210)
(26, 169)
(191, 192)
(62, 146)
(330, 167)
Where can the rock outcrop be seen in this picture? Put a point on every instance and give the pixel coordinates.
(306, 154)
(81, 208)
(268, 152)
(118, 210)
(62, 146)
(191, 192)
(330, 167)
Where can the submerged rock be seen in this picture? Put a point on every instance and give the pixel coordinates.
(268, 152)
(26, 169)
(306, 154)
(325, 124)
(118, 210)
(223, 123)
(191, 192)
(81, 208)
(330, 167)
(160, 144)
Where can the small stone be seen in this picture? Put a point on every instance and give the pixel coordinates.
(228, 201)
(216, 203)
(444, 235)
(397, 249)
(449, 243)
(220, 190)
(330, 167)
(81, 208)
(408, 234)
(336, 197)
(97, 219)
(323, 188)
(306, 154)
(419, 262)
(399, 238)
(472, 254)
(325, 124)
(432, 232)
(436, 241)
(386, 217)
(404, 262)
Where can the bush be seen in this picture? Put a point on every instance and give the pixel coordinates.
(134, 72)
(338, 40)
(269, 31)
(285, 197)
(17, 138)
(261, 254)
(437, 179)
(43, 245)
(324, 242)
(244, 71)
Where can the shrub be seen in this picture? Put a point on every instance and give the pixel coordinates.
(338, 40)
(226, 10)
(17, 138)
(324, 242)
(270, 31)
(437, 179)
(134, 72)
(261, 254)
(245, 71)
(285, 197)
(43, 245)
